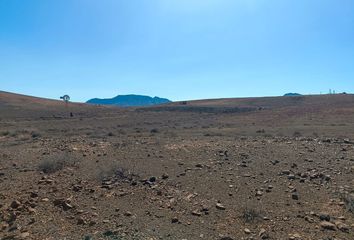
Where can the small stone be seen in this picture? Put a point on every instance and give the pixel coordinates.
(174, 220)
(33, 194)
(81, 221)
(324, 217)
(295, 236)
(15, 204)
(295, 196)
(328, 225)
(342, 227)
(164, 176)
(62, 203)
(67, 206)
(128, 214)
(259, 193)
(309, 219)
(196, 213)
(24, 235)
(247, 231)
(262, 233)
(220, 206)
(291, 176)
(31, 210)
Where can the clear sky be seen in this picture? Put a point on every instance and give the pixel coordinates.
(179, 49)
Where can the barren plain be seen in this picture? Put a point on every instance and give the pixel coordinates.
(252, 168)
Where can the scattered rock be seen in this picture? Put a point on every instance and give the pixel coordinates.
(328, 225)
(152, 179)
(220, 206)
(291, 176)
(15, 204)
(263, 234)
(324, 217)
(81, 221)
(164, 176)
(295, 196)
(128, 214)
(247, 231)
(259, 193)
(341, 226)
(33, 194)
(196, 213)
(64, 204)
(24, 235)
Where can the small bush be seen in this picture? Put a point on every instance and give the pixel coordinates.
(35, 134)
(349, 201)
(113, 170)
(6, 133)
(250, 215)
(154, 130)
(297, 134)
(268, 135)
(14, 134)
(55, 163)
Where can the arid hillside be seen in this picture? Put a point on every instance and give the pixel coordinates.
(252, 168)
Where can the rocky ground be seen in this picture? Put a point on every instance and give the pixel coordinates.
(133, 174)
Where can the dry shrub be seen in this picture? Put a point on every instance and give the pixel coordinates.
(54, 163)
(6, 133)
(35, 134)
(349, 201)
(297, 134)
(113, 170)
(250, 215)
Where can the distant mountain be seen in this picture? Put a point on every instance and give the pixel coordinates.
(129, 101)
(292, 94)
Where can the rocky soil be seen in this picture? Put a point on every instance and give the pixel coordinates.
(176, 175)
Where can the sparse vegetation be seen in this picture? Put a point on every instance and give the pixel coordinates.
(210, 168)
(154, 130)
(114, 170)
(349, 201)
(55, 163)
(35, 134)
(297, 134)
(250, 215)
(5, 133)
(14, 134)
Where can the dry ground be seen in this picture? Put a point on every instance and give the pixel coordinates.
(262, 168)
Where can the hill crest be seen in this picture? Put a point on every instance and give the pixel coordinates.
(130, 100)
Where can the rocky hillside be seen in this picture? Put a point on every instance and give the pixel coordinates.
(130, 101)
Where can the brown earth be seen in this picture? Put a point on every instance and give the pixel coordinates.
(253, 168)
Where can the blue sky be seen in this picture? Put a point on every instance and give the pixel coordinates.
(179, 49)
